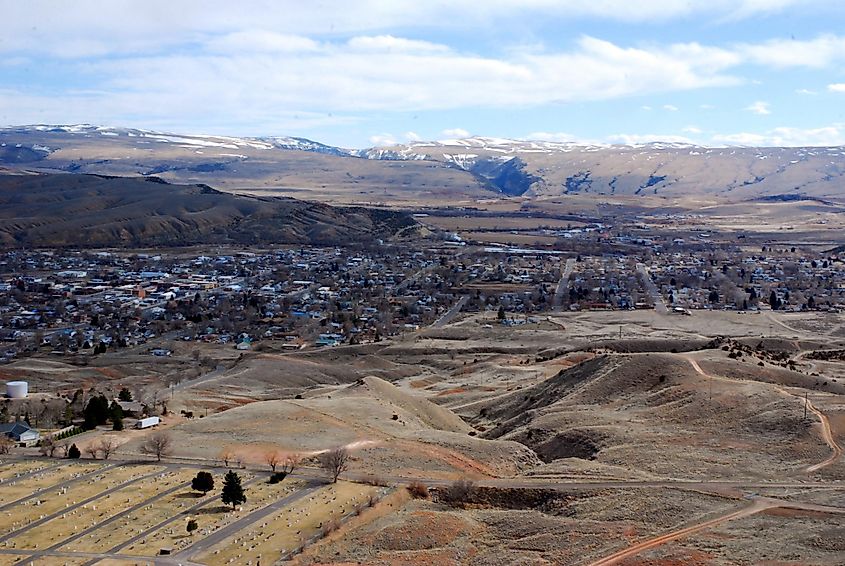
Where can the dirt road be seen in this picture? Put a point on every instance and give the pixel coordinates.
(757, 505)
(827, 432)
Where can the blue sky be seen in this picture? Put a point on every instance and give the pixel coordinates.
(356, 74)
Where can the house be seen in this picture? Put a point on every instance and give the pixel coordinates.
(21, 433)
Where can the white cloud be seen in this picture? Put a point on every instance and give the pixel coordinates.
(391, 43)
(819, 52)
(806, 91)
(99, 26)
(260, 41)
(670, 108)
(412, 136)
(455, 133)
(636, 139)
(380, 140)
(833, 135)
(836, 87)
(693, 130)
(551, 136)
(646, 108)
(760, 108)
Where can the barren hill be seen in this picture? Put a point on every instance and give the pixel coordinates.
(447, 171)
(538, 168)
(71, 210)
(292, 167)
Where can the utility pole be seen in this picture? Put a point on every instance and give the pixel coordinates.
(805, 405)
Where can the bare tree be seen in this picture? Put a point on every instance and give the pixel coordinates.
(48, 446)
(65, 448)
(92, 450)
(159, 444)
(107, 445)
(226, 455)
(5, 445)
(335, 462)
(273, 459)
(291, 463)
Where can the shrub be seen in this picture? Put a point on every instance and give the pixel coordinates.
(418, 490)
(277, 477)
(458, 493)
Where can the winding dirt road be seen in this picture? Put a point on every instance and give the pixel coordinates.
(827, 432)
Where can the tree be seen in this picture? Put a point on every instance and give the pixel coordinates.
(203, 482)
(273, 459)
(92, 450)
(108, 446)
(73, 452)
(233, 491)
(226, 455)
(48, 446)
(5, 445)
(116, 416)
(192, 526)
(291, 463)
(124, 395)
(96, 412)
(335, 462)
(501, 314)
(159, 444)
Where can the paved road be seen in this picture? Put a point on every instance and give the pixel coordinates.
(77, 505)
(52, 488)
(451, 313)
(107, 521)
(184, 513)
(656, 298)
(563, 284)
(229, 530)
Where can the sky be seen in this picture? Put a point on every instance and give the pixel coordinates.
(378, 72)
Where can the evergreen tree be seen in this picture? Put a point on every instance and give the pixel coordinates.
(96, 412)
(233, 492)
(73, 452)
(203, 482)
(125, 395)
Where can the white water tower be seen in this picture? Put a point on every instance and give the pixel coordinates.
(17, 389)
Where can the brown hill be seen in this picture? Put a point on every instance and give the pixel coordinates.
(262, 166)
(73, 210)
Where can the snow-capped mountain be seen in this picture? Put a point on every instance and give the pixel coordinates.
(184, 140)
(476, 167)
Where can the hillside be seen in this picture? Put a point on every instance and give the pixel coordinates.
(73, 210)
(276, 166)
(536, 168)
(451, 171)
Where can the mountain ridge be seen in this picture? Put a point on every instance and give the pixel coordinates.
(481, 167)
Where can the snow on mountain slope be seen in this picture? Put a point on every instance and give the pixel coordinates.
(185, 140)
